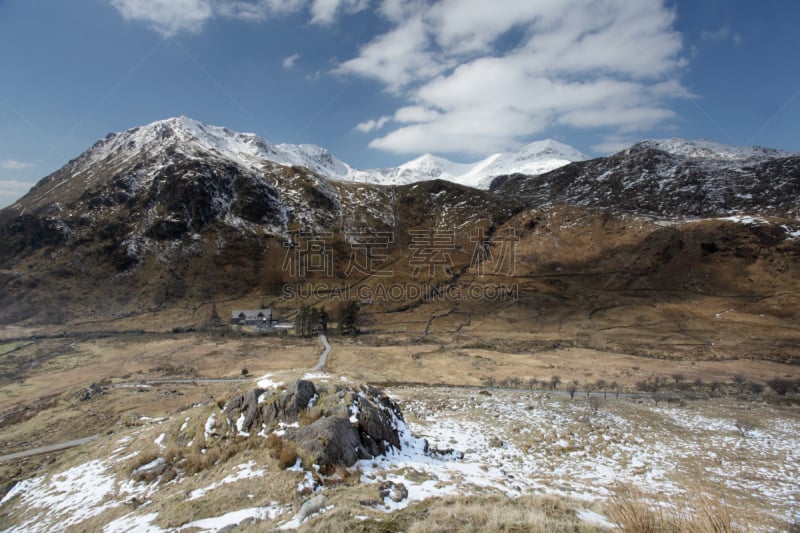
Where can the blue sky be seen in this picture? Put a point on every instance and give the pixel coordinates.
(379, 82)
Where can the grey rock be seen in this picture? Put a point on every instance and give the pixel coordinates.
(330, 441)
(396, 492)
(310, 507)
(246, 404)
(288, 406)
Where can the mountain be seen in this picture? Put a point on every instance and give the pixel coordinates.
(535, 158)
(668, 178)
(195, 139)
(178, 211)
(168, 217)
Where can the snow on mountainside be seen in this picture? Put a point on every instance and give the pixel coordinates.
(536, 158)
(709, 150)
(670, 177)
(251, 151)
(246, 149)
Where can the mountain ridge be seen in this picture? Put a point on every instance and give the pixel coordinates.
(191, 137)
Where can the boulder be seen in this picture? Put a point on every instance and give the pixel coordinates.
(376, 427)
(310, 507)
(396, 492)
(347, 424)
(329, 441)
(90, 392)
(288, 406)
(245, 404)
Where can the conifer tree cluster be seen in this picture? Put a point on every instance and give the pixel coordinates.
(311, 321)
(348, 320)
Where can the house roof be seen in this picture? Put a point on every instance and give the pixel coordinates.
(251, 314)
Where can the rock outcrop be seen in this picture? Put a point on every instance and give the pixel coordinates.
(330, 424)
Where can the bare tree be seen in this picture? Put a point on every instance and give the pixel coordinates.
(555, 381)
(678, 377)
(739, 380)
(602, 385)
(571, 388)
(532, 382)
(659, 397)
(615, 387)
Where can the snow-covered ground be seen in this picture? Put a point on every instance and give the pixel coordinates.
(514, 443)
(522, 443)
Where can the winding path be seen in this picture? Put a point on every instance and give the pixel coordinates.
(48, 449)
(323, 358)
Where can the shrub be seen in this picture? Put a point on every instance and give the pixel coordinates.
(781, 385)
(287, 456)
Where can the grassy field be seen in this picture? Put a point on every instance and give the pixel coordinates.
(554, 456)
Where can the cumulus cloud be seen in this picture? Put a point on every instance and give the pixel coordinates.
(326, 11)
(477, 78)
(396, 58)
(371, 125)
(169, 17)
(288, 62)
(13, 164)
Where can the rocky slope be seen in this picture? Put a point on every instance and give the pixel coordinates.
(162, 215)
(669, 178)
(177, 213)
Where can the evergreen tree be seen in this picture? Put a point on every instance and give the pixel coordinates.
(348, 320)
(300, 321)
(312, 327)
(324, 317)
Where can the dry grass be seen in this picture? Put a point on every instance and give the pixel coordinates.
(698, 512)
(495, 513)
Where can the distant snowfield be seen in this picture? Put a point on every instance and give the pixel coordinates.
(514, 443)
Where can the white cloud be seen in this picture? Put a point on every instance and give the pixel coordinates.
(11, 191)
(396, 58)
(326, 11)
(372, 124)
(13, 164)
(721, 35)
(479, 78)
(415, 114)
(256, 10)
(167, 16)
(288, 62)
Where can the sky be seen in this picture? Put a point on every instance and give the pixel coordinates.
(379, 82)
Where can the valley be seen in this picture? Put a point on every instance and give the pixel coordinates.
(493, 400)
(598, 338)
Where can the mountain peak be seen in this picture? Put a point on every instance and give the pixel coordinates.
(704, 149)
(551, 147)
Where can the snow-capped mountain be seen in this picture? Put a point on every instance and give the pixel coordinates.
(709, 150)
(533, 159)
(178, 211)
(671, 177)
(251, 151)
